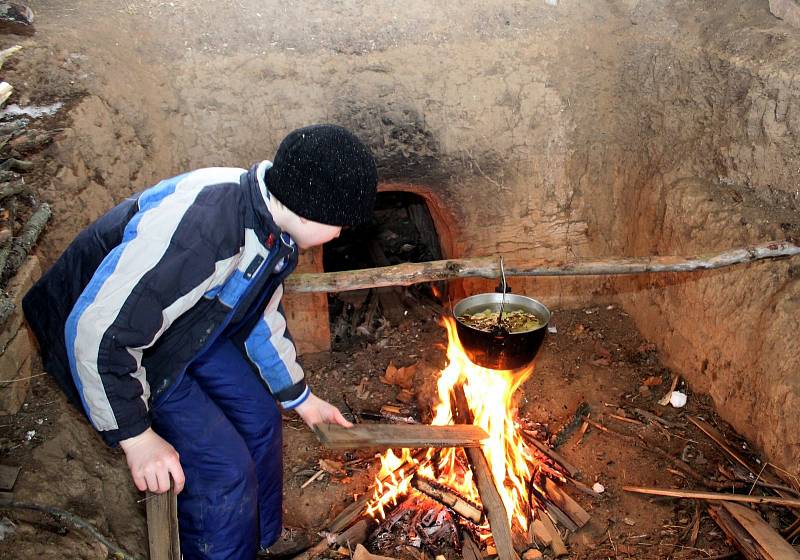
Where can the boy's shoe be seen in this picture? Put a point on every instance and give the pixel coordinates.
(292, 542)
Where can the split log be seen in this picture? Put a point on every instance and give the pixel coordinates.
(449, 498)
(562, 518)
(691, 494)
(354, 535)
(770, 543)
(538, 533)
(556, 542)
(565, 503)
(386, 436)
(490, 498)
(22, 245)
(489, 267)
(162, 525)
(740, 538)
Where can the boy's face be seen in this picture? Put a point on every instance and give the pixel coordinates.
(310, 234)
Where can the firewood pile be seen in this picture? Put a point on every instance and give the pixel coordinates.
(22, 215)
(434, 519)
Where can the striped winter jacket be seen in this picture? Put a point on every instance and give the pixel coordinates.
(151, 284)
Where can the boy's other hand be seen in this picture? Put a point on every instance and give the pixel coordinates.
(317, 411)
(152, 460)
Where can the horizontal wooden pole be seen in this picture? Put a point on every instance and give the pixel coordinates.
(676, 493)
(489, 267)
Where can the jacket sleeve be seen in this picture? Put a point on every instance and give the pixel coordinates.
(172, 252)
(271, 349)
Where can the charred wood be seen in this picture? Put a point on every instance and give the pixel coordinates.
(449, 498)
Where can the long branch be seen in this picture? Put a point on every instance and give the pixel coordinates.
(489, 267)
(72, 519)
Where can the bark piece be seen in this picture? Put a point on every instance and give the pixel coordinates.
(767, 539)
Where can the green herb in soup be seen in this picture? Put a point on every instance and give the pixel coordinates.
(513, 321)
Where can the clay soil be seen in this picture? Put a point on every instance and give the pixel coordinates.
(595, 357)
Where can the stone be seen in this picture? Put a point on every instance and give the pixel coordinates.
(787, 10)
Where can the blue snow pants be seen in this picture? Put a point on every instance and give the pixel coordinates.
(226, 427)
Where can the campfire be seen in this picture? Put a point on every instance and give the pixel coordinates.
(501, 497)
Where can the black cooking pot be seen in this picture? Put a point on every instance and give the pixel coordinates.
(495, 350)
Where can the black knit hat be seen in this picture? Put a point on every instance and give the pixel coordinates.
(325, 174)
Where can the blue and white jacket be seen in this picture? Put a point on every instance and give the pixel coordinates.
(151, 284)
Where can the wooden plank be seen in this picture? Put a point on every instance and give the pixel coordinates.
(556, 543)
(561, 518)
(162, 526)
(740, 538)
(8, 477)
(384, 436)
(488, 267)
(538, 532)
(491, 501)
(675, 493)
(770, 542)
(566, 504)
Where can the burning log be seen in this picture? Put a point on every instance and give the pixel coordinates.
(490, 497)
(387, 436)
(449, 498)
(488, 267)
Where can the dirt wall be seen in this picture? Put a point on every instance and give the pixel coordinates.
(618, 128)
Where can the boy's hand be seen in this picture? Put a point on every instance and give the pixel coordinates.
(316, 411)
(152, 460)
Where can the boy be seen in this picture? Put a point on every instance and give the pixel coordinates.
(163, 319)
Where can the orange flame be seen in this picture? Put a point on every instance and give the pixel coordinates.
(489, 394)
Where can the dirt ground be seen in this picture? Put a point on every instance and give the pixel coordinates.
(596, 356)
